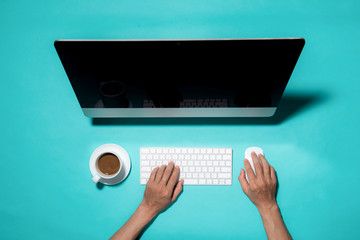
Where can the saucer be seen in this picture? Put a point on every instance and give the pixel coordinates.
(116, 150)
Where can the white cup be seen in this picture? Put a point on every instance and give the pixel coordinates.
(120, 175)
(99, 176)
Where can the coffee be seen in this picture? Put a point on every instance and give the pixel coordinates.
(108, 164)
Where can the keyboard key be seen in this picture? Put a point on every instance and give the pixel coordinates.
(226, 169)
(146, 169)
(144, 150)
(190, 181)
(145, 163)
(145, 175)
(224, 175)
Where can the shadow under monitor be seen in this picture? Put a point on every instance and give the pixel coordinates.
(289, 106)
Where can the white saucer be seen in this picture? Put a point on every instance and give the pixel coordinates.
(116, 150)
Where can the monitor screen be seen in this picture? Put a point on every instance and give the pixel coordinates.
(211, 74)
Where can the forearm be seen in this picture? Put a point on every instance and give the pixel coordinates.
(274, 225)
(132, 228)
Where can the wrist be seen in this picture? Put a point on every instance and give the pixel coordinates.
(268, 210)
(146, 211)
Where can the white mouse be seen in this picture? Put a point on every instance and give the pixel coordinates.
(248, 152)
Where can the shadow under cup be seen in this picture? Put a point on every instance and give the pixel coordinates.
(108, 165)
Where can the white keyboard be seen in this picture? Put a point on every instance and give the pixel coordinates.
(198, 166)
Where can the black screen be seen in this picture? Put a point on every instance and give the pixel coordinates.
(169, 73)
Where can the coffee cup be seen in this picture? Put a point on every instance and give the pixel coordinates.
(108, 165)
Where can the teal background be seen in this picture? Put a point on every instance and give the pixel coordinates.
(46, 142)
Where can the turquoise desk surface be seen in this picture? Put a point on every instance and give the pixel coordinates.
(46, 142)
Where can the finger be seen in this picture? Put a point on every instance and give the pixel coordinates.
(243, 182)
(160, 173)
(257, 165)
(265, 165)
(173, 178)
(273, 174)
(167, 172)
(178, 189)
(249, 170)
(153, 174)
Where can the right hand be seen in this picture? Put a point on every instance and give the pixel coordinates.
(261, 188)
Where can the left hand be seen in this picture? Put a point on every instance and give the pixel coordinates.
(162, 188)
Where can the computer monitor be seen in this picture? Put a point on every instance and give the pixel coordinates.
(179, 78)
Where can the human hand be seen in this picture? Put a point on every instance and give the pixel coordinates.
(162, 188)
(261, 188)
